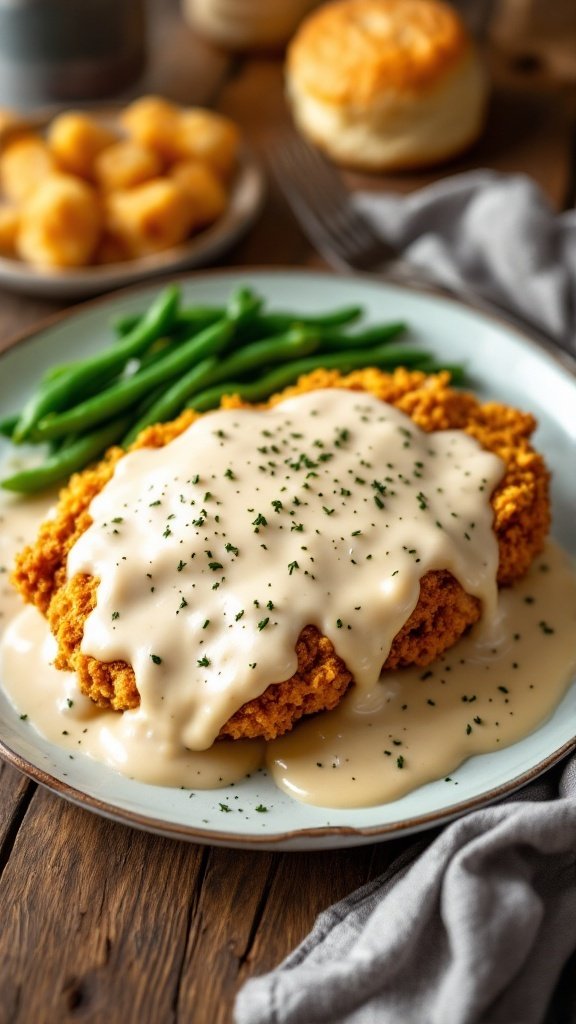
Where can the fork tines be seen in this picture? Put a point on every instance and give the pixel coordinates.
(322, 204)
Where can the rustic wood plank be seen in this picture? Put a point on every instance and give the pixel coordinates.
(235, 888)
(98, 916)
(253, 97)
(304, 885)
(94, 919)
(16, 791)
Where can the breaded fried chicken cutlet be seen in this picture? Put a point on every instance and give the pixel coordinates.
(444, 610)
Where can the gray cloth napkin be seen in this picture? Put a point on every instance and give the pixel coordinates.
(476, 927)
(493, 233)
(475, 930)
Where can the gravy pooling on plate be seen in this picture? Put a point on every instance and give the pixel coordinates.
(214, 551)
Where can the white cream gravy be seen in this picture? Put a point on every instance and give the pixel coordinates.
(492, 688)
(214, 552)
(419, 717)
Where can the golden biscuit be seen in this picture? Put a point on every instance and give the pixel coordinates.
(384, 84)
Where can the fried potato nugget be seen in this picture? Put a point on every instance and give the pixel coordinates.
(60, 224)
(25, 162)
(207, 195)
(124, 165)
(76, 139)
(444, 611)
(212, 138)
(182, 133)
(149, 218)
(154, 123)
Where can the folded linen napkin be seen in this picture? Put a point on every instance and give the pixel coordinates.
(475, 930)
(476, 927)
(491, 233)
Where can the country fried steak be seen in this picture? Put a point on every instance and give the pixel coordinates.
(444, 611)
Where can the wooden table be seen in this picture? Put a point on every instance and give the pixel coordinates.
(99, 922)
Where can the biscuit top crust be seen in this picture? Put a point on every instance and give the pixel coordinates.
(354, 50)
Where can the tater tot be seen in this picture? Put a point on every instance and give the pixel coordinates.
(150, 217)
(24, 163)
(205, 190)
(76, 139)
(124, 165)
(60, 224)
(153, 122)
(212, 138)
(9, 224)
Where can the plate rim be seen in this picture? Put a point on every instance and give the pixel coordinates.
(310, 836)
(176, 830)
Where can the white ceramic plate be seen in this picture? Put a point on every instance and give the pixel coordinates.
(245, 202)
(502, 364)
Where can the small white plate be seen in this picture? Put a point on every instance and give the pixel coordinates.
(502, 364)
(245, 201)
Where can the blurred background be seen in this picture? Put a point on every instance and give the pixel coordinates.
(59, 51)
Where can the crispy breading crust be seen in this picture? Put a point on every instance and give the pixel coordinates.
(444, 611)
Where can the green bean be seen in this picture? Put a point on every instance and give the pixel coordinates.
(380, 356)
(266, 324)
(169, 358)
(263, 323)
(243, 305)
(296, 342)
(102, 380)
(169, 402)
(127, 392)
(99, 381)
(56, 371)
(281, 321)
(248, 391)
(67, 459)
(430, 365)
(282, 376)
(195, 318)
(66, 388)
(8, 425)
(332, 340)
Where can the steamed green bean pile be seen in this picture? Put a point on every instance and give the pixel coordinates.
(171, 357)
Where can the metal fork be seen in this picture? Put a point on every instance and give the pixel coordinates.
(344, 237)
(322, 205)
